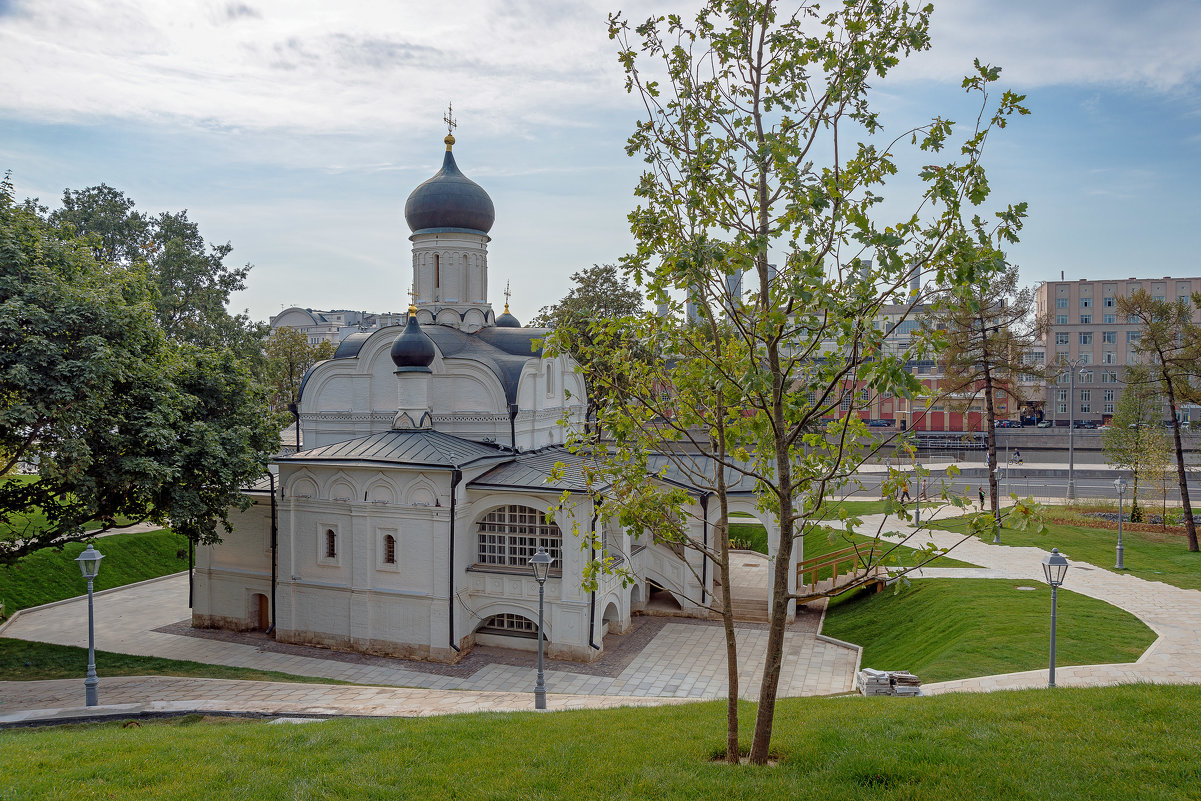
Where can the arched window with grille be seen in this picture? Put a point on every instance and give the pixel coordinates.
(331, 544)
(389, 550)
(510, 535)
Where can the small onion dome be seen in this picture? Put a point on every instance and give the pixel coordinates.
(413, 350)
(507, 320)
(449, 200)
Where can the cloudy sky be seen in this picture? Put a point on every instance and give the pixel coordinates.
(295, 129)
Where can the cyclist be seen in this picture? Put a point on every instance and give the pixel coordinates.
(1017, 456)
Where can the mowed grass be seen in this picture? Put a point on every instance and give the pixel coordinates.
(1117, 743)
(943, 629)
(28, 661)
(1152, 555)
(817, 543)
(52, 575)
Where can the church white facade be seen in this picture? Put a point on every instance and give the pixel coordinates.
(405, 524)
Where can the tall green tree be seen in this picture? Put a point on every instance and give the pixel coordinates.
(760, 134)
(990, 327)
(599, 294)
(191, 280)
(289, 356)
(1137, 418)
(1166, 346)
(122, 423)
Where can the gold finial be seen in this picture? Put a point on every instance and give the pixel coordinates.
(507, 293)
(412, 302)
(449, 119)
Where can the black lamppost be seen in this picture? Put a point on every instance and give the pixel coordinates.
(1055, 567)
(89, 565)
(1120, 484)
(540, 563)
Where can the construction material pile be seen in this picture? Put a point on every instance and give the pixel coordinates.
(887, 682)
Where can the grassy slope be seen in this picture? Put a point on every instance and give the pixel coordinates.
(817, 543)
(944, 629)
(1134, 742)
(1148, 554)
(27, 661)
(52, 575)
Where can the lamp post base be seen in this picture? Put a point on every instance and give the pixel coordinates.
(1120, 564)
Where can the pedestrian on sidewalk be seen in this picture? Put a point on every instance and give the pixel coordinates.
(981, 498)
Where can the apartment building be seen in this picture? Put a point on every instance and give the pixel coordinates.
(1085, 328)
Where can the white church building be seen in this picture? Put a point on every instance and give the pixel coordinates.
(405, 524)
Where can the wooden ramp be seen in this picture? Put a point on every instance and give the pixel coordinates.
(841, 571)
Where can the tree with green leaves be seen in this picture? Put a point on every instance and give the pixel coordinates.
(289, 357)
(1166, 347)
(599, 294)
(990, 327)
(123, 424)
(1137, 417)
(749, 141)
(191, 281)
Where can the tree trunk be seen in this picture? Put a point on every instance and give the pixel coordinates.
(1190, 527)
(991, 422)
(722, 531)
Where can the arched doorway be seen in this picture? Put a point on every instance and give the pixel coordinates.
(660, 599)
(509, 630)
(260, 612)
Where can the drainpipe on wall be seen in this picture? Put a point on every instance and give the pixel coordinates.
(274, 551)
(705, 540)
(513, 409)
(190, 564)
(456, 475)
(592, 598)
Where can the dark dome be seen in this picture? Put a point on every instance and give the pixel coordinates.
(449, 200)
(413, 350)
(507, 320)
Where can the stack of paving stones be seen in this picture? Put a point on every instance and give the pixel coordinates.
(887, 682)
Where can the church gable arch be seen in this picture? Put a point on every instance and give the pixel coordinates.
(381, 491)
(340, 487)
(302, 486)
(421, 491)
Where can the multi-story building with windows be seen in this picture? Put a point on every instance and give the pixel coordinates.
(1086, 328)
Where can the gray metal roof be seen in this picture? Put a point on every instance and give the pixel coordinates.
(417, 448)
(534, 470)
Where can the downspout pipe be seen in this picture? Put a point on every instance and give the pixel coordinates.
(513, 409)
(705, 540)
(456, 475)
(274, 550)
(592, 595)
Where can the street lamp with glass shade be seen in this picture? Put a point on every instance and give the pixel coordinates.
(89, 566)
(1055, 568)
(1120, 485)
(540, 563)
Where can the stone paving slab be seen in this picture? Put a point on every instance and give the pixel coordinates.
(683, 658)
(39, 701)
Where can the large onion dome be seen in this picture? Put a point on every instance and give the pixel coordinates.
(413, 351)
(449, 200)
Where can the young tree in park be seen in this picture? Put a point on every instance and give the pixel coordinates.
(1137, 418)
(121, 422)
(990, 328)
(1166, 346)
(749, 139)
(599, 293)
(289, 356)
(191, 280)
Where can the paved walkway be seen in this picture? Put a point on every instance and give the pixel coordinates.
(1172, 613)
(662, 658)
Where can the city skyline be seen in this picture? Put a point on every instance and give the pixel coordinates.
(296, 132)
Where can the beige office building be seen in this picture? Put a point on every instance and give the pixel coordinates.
(1085, 325)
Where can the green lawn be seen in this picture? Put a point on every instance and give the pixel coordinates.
(27, 661)
(1152, 555)
(1117, 743)
(943, 629)
(52, 575)
(817, 543)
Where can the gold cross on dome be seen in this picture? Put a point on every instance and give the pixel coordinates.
(449, 118)
(507, 293)
(412, 301)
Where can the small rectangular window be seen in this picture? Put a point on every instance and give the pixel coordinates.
(1061, 319)
(1061, 338)
(1109, 319)
(1086, 337)
(1061, 303)
(1110, 303)
(1086, 303)
(1086, 319)
(1109, 337)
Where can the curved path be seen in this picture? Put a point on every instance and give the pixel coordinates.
(1172, 613)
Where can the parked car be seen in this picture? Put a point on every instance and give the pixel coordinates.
(1105, 427)
(1008, 424)
(1044, 424)
(1084, 424)
(880, 423)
